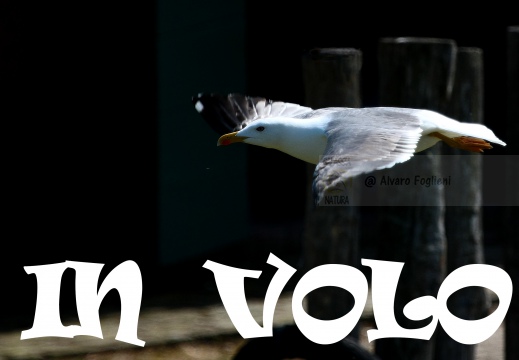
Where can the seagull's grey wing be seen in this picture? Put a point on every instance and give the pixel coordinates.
(363, 140)
(232, 112)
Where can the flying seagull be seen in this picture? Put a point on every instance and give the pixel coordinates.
(342, 142)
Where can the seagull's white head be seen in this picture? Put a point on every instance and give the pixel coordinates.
(266, 133)
(302, 139)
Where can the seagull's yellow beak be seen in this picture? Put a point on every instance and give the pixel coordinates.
(230, 138)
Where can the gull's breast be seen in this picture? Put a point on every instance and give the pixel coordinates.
(305, 140)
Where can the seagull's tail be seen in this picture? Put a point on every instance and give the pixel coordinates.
(478, 131)
(466, 136)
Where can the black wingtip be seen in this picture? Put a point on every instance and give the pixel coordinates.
(216, 111)
(225, 113)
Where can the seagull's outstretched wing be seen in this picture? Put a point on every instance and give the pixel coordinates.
(232, 112)
(360, 141)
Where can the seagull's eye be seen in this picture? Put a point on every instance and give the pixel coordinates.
(260, 128)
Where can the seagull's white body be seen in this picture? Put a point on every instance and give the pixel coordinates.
(306, 139)
(342, 142)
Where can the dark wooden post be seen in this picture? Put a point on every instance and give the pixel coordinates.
(331, 78)
(463, 221)
(511, 224)
(416, 73)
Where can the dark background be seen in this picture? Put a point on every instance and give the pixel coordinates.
(78, 94)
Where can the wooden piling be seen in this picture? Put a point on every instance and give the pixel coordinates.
(511, 223)
(463, 212)
(331, 78)
(415, 73)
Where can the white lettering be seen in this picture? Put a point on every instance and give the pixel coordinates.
(385, 278)
(125, 278)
